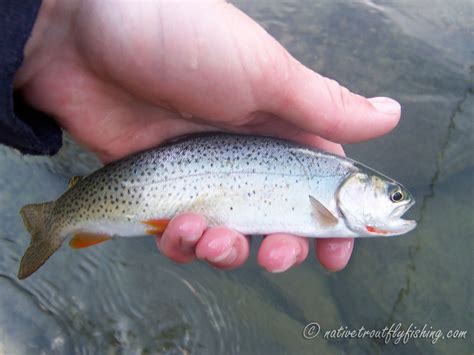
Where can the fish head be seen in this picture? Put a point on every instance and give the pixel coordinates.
(372, 205)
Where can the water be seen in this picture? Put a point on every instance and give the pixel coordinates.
(123, 297)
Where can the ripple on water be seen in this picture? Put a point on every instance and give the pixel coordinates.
(114, 297)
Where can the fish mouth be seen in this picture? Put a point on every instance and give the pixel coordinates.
(400, 210)
(398, 225)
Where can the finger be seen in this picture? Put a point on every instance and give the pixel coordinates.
(279, 252)
(286, 88)
(324, 107)
(223, 248)
(180, 237)
(318, 142)
(272, 125)
(334, 253)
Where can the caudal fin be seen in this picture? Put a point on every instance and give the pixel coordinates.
(44, 241)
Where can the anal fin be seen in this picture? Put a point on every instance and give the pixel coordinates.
(85, 240)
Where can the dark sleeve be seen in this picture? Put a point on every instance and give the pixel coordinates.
(21, 126)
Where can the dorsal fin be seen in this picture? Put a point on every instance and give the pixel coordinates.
(74, 180)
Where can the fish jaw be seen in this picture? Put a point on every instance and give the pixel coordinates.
(401, 227)
(395, 225)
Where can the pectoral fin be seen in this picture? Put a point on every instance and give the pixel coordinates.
(157, 226)
(323, 215)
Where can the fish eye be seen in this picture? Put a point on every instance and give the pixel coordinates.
(397, 196)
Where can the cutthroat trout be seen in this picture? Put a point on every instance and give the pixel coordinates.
(254, 185)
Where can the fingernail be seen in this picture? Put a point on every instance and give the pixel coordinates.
(226, 257)
(219, 249)
(190, 227)
(340, 249)
(284, 255)
(385, 105)
(188, 242)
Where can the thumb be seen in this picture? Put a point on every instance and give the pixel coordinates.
(323, 107)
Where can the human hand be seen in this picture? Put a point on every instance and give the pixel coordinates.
(123, 76)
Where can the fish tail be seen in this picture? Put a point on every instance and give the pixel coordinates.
(44, 241)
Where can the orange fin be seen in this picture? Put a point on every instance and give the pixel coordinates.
(157, 225)
(85, 240)
(375, 230)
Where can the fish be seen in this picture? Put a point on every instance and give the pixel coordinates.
(255, 185)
